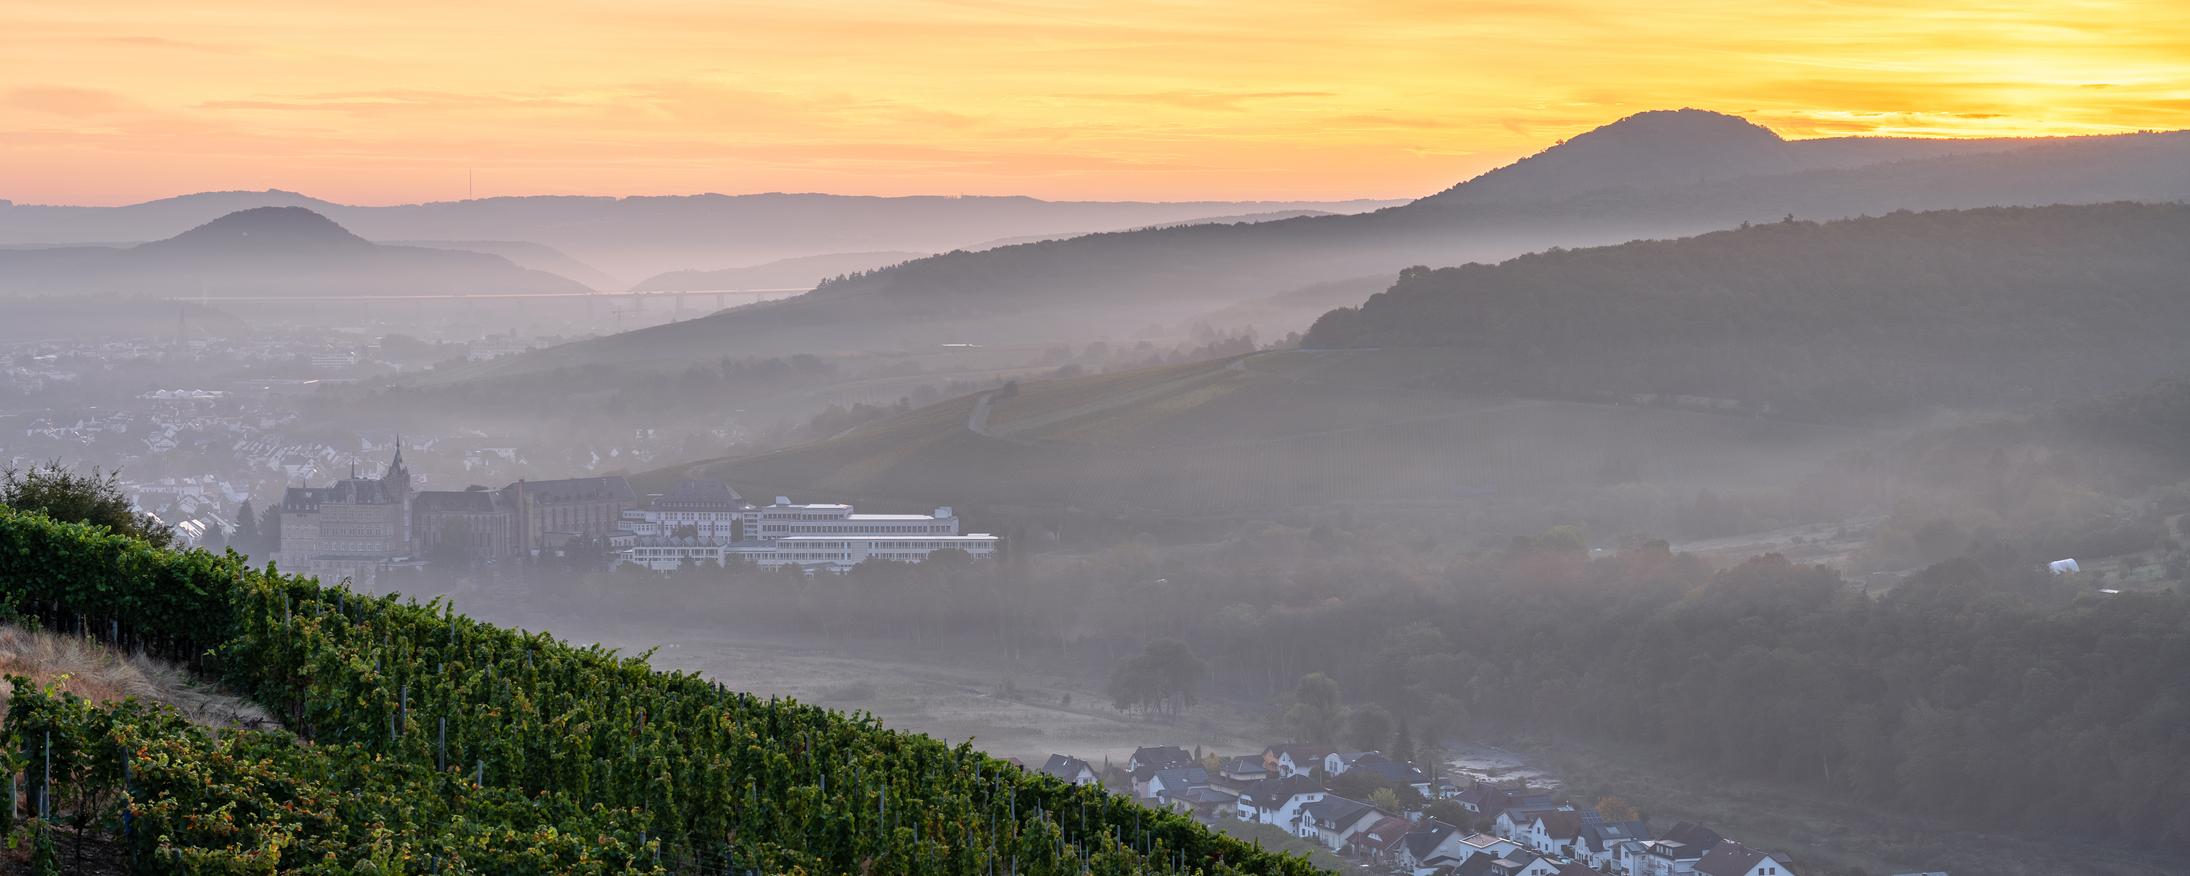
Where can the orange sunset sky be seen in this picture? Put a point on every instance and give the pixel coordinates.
(116, 101)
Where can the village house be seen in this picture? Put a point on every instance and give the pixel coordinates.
(1605, 845)
(1440, 845)
(1334, 820)
(1390, 772)
(1294, 759)
(1245, 768)
(1734, 859)
(1335, 763)
(1677, 851)
(1483, 845)
(1428, 840)
(1520, 862)
(1379, 843)
(1071, 770)
(1162, 757)
(1486, 801)
(1164, 784)
(1513, 823)
(1556, 832)
(1278, 801)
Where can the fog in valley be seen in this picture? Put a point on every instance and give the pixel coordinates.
(1828, 492)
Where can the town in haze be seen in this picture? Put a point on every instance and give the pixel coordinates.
(1065, 439)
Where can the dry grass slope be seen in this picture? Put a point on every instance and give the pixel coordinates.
(95, 672)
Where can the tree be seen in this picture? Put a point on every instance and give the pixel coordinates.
(270, 529)
(1616, 809)
(1385, 799)
(1403, 743)
(1315, 709)
(1368, 727)
(246, 540)
(61, 493)
(1363, 785)
(1165, 677)
(1450, 812)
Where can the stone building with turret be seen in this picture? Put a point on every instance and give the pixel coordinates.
(349, 529)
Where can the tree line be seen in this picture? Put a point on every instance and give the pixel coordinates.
(1908, 697)
(1846, 319)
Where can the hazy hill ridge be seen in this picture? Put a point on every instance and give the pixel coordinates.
(639, 236)
(1712, 362)
(267, 251)
(1654, 175)
(804, 272)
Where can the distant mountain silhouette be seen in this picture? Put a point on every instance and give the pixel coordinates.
(638, 237)
(277, 251)
(1656, 175)
(1686, 147)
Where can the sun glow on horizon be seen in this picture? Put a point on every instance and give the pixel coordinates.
(128, 100)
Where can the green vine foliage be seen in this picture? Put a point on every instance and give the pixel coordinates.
(421, 741)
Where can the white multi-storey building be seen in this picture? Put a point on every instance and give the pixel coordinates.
(705, 510)
(783, 520)
(695, 523)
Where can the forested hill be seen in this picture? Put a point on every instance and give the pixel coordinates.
(2008, 306)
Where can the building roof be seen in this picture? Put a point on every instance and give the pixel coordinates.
(1603, 834)
(1336, 811)
(1161, 756)
(1732, 859)
(1387, 832)
(1272, 793)
(348, 491)
(1301, 752)
(1204, 795)
(1246, 763)
(1522, 815)
(1695, 839)
(1066, 767)
(1182, 777)
(695, 494)
(457, 501)
(578, 490)
(1560, 823)
(1389, 770)
(1474, 865)
(1427, 836)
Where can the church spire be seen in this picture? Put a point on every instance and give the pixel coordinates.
(397, 474)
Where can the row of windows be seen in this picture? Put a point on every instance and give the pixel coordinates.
(863, 529)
